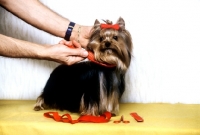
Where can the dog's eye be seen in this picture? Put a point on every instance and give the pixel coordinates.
(115, 37)
(100, 39)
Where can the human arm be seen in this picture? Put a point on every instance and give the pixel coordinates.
(40, 16)
(10, 47)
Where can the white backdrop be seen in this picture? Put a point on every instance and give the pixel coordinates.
(166, 38)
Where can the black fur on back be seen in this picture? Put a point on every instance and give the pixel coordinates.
(67, 84)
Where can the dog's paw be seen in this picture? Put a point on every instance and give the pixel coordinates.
(39, 104)
(38, 108)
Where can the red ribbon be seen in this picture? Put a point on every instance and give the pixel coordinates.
(109, 26)
(66, 118)
(136, 117)
(91, 58)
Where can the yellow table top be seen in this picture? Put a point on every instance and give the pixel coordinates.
(18, 117)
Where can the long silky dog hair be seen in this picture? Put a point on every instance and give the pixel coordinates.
(87, 87)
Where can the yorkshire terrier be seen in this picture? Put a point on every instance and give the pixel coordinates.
(88, 87)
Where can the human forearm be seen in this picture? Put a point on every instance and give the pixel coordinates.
(11, 47)
(40, 16)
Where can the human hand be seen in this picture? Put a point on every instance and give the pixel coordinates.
(84, 34)
(71, 44)
(64, 54)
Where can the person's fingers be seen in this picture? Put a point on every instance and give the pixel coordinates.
(73, 43)
(67, 43)
(78, 52)
(61, 42)
(74, 59)
(73, 50)
(76, 44)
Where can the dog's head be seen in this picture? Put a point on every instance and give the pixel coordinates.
(112, 44)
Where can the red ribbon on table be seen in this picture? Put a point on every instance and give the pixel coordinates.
(137, 117)
(66, 118)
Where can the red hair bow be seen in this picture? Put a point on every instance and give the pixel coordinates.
(109, 26)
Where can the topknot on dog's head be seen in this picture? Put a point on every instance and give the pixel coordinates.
(120, 22)
(108, 21)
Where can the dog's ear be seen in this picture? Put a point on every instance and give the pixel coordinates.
(96, 22)
(121, 23)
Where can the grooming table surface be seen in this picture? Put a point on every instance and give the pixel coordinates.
(18, 118)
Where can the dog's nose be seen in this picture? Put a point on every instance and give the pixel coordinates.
(107, 44)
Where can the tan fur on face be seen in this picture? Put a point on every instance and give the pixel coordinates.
(118, 52)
